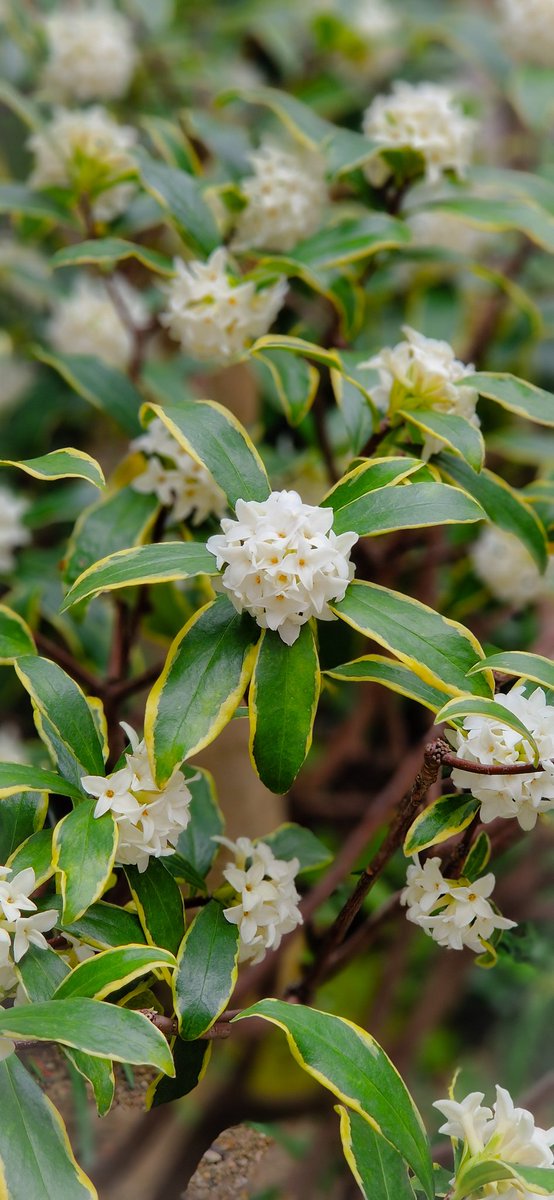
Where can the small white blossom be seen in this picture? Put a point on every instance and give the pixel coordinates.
(214, 315)
(425, 369)
(88, 151)
(91, 53)
(455, 913)
(266, 906)
(285, 198)
(423, 117)
(86, 322)
(29, 931)
(13, 532)
(20, 921)
(506, 567)
(486, 740)
(185, 485)
(283, 564)
(466, 1119)
(149, 818)
(527, 30)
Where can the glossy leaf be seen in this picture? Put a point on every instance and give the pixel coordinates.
(504, 507)
(469, 706)
(18, 777)
(299, 119)
(195, 843)
(443, 819)
(294, 380)
(104, 925)
(205, 675)
(16, 638)
(60, 464)
(97, 1028)
(349, 497)
(191, 1062)
(375, 668)
(378, 1169)
(438, 650)
(351, 241)
(100, 385)
(21, 815)
(487, 213)
(477, 858)
(35, 852)
(107, 252)
(480, 1171)
(411, 506)
(357, 413)
(214, 437)
(179, 194)
(457, 434)
(84, 850)
(159, 563)
(350, 1063)
(522, 664)
(516, 395)
(111, 970)
(159, 904)
(283, 700)
(59, 700)
(293, 841)
(116, 522)
(206, 971)
(23, 201)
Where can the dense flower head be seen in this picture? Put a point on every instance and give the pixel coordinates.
(91, 53)
(426, 370)
(266, 905)
(454, 912)
(506, 1133)
(422, 117)
(13, 532)
(506, 567)
(149, 818)
(21, 924)
(283, 563)
(86, 321)
(215, 315)
(285, 197)
(88, 151)
(180, 483)
(486, 740)
(527, 30)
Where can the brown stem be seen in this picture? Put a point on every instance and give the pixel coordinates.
(65, 659)
(128, 687)
(490, 318)
(475, 768)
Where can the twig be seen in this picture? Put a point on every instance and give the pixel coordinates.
(475, 768)
(65, 659)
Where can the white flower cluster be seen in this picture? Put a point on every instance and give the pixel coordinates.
(527, 30)
(486, 740)
(374, 19)
(214, 315)
(149, 818)
(506, 1133)
(85, 321)
(186, 486)
(21, 924)
(89, 151)
(285, 198)
(423, 117)
(428, 370)
(453, 912)
(505, 565)
(266, 907)
(283, 564)
(91, 53)
(12, 530)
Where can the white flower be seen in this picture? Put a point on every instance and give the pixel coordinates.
(453, 912)
(374, 19)
(12, 530)
(88, 151)
(266, 905)
(285, 198)
(29, 931)
(423, 117)
(15, 900)
(505, 565)
(283, 564)
(527, 30)
(488, 741)
(187, 486)
(213, 315)
(466, 1119)
(91, 54)
(14, 893)
(86, 322)
(149, 819)
(427, 370)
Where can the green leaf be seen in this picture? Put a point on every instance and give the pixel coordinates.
(191, 1062)
(214, 437)
(181, 197)
(57, 698)
(84, 850)
(299, 120)
(171, 143)
(111, 970)
(412, 506)
(204, 678)
(350, 241)
(294, 841)
(36, 1159)
(459, 435)
(18, 777)
(159, 904)
(298, 346)
(468, 706)
(107, 252)
(480, 1171)
(103, 925)
(41, 971)
(93, 1026)
(516, 395)
(378, 1169)
(104, 387)
(357, 412)
(114, 523)
(295, 382)
(16, 638)
(350, 1063)
(19, 199)
(21, 815)
(504, 506)
(60, 464)
(498, 215)
(520, 663)
(375, 668)
(196, 844)
(284, 695)
(349, 497)
(159, 563)
(443, 819)
(35, 852)
(438, 650)
(206, 971)
(478, 857)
